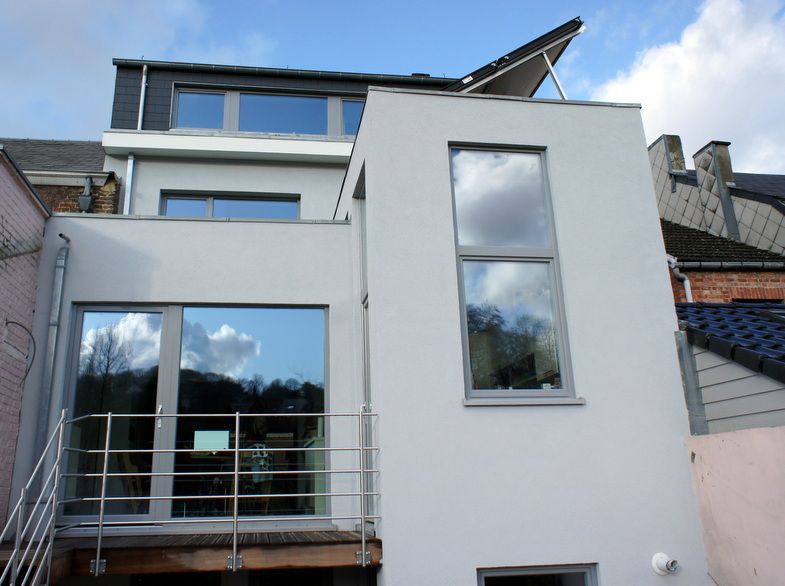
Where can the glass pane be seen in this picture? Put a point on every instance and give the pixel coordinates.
(499, 199)
(200, 110)
(255, 208)
(284, 114)
(186, 208)
(352, 112)
(512, 331)
(255, 361)
(118, 372)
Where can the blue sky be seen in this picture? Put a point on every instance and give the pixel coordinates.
(705, 70)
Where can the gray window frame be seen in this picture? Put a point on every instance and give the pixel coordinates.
(550, 256)
(167, 391)
(211, 196)
(589, 570)
(231, 123)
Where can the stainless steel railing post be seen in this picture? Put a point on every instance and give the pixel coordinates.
(236, 488)
(18, 537)
(55, 489)
(101, 510)
(362, 485)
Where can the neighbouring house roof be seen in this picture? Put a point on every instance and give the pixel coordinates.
(763, 187)
(752, 334)
(692, 245)
(32, 190)
(56, 155)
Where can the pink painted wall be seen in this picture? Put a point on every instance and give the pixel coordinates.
(740, 480)
(21, 232)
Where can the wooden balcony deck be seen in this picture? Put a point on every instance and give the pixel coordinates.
(158, 554)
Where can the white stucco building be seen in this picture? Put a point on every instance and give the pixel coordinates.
(453, 285)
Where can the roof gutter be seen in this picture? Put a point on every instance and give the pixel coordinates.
(277, 72)
(719, 265)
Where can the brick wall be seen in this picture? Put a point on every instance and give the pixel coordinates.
(21, 234)
(725, 286)
(65, 198)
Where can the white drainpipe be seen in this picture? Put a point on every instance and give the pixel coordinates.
(141, 98)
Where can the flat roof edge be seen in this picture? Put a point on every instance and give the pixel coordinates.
(280, 72)
(450, 94)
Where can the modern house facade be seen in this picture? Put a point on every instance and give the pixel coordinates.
(357, 329)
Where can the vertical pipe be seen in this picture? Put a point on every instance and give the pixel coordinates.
(236, 488)
(18, 536)
(362, 485)
(103, 494)
(555, 78)
(55, 489)
(141, 98)
(129, 181)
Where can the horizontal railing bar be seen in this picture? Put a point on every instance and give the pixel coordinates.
(243, 519)
(213, 415)
(95, 499)
(216, 473)
(223, 450)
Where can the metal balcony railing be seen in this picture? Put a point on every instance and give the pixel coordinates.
(35, 522)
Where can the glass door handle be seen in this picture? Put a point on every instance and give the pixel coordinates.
(158, 419)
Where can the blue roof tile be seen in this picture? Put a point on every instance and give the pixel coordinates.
(752, 334)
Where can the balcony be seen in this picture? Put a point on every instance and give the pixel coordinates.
(217, 502)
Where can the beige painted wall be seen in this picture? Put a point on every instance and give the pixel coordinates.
(740, 480)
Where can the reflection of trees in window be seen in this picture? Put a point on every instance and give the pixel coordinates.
(517, 356)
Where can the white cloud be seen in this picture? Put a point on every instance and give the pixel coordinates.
(224, 351)
(723, 79)
(134, 341)
(57, 74)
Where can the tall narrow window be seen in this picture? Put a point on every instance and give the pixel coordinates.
(117, 372)
(352, 111)
(512, 326)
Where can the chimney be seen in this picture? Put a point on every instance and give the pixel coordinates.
(715, 173)
(674, 154)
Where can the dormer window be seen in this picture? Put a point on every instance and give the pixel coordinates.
(269, 113)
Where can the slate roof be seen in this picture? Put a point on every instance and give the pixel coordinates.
(752, 334)
(691, 245)
(746, 183)
(55, 155)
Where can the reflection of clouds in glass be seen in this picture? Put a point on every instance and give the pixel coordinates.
(224, 351)
(134, 340)
(515, 288)
(499, 199)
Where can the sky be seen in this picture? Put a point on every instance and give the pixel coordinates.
(703, 70)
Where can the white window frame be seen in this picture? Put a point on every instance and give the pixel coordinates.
(491, 397)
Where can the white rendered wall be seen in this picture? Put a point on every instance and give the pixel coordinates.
(469, 487)
(316, 184)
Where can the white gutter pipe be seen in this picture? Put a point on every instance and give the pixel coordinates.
(141, 98)
(681, 277)
(129, 180)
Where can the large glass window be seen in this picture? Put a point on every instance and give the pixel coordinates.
(352, 111)
(117, 372)
(512, 326)
(200, 110)
(215, 206)
(254, 361)
(571, 575)
(283, 114)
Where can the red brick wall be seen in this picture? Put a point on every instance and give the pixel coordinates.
(725, 286)
(65, 198)
(21, 234)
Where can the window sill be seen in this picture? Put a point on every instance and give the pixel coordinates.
(522, 401)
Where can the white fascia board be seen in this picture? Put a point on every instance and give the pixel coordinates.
(215, 146)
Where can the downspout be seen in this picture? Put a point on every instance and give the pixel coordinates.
(51, 342)
(129, 180)
(681, 277)
(141, 98)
